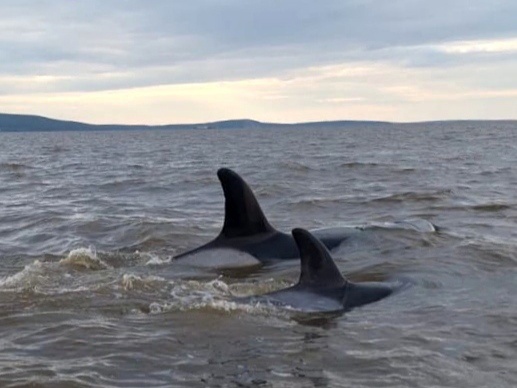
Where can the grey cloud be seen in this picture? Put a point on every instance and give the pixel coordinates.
(160, 41)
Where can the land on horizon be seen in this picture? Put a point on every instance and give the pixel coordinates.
(34, 123)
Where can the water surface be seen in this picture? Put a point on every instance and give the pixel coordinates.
(89, 222)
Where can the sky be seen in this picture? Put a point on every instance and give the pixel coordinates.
(162, 61)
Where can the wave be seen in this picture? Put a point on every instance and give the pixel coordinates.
(25, 278)
(136, 282)
(53, 284)
(309, 202)
(416, 224)
(359, 164)
(56, 149)
(214, 295)
(210, 303)
(490, 207)
(52, 277)
(489, 255)
(193, 295)
(85, 258)
(122, 183)
(495, 171)
(415, 196)
(153, 259)
(295, 165)
(14, 167)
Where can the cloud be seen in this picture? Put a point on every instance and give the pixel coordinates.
(366, 91)
(480, 46)
(351, 53)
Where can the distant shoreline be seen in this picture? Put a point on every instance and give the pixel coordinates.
(33, 123)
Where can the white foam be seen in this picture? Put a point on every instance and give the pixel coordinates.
(213, 295)
(131, 281)
(25, 277)
(416, 224)
(86, 258)
(153, 259)
(213, 303)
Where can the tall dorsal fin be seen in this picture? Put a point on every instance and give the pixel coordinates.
(243, 215)
(318, 267)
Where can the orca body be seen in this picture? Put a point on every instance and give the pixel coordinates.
(247, 229)
(321, 287)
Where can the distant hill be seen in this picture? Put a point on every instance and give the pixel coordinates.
(30, 123)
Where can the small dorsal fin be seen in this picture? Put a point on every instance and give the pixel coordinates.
(317, 266)
(243, 215)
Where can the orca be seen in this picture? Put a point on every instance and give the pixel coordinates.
(321, 288)
(246, 228)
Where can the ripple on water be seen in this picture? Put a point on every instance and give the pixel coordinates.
(77, 316)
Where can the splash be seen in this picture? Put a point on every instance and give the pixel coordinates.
(85, 258)
(153, 259)
(215, 295)
(210, 303)
(135, 282)
(28, 277)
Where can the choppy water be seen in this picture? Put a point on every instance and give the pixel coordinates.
(89, 222)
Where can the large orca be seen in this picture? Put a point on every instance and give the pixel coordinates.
(321, 287)
(246, 228)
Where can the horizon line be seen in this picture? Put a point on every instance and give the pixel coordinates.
(323, 121)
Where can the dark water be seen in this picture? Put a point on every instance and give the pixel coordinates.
(89, 222)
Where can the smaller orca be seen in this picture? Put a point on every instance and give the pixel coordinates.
(321, 287)
(246, 228)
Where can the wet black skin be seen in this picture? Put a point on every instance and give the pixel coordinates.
(321, 287)
(247, 229)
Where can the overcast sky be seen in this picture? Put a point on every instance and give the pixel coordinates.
(162, 61)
